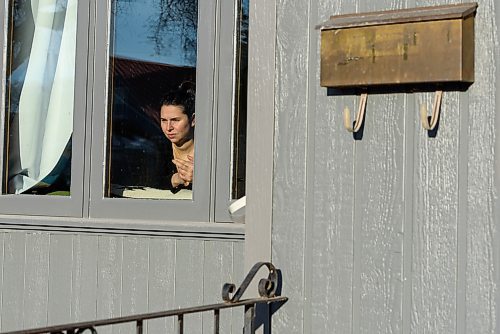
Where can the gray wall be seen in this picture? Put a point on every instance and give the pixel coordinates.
(50, 277)
(397, 232)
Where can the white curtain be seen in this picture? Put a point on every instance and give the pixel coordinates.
(46, 100)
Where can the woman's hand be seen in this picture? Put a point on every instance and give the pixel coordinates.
(185, 171)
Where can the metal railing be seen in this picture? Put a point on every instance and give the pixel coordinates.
(268, 288)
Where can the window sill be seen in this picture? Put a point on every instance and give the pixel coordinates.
(190, 230)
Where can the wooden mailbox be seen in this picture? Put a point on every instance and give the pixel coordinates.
(427, 45)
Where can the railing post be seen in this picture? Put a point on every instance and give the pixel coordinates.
(180, 324)
(216, 321)
(249, 319)
(139, 327)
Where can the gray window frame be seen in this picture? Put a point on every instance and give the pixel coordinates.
(58, 206)
(124, 208)
(215, 75)
(262, 72)
(224, 85)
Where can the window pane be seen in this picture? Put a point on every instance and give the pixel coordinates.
(152, 79)
(40, 96)
(240, 107)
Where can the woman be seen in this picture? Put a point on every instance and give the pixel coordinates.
(177, 123)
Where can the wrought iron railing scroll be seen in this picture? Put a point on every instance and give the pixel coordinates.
(268, 289)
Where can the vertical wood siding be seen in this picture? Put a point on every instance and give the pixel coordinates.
(84, 272)
(14, 262)
(378, 208)
(161, 290)
(396, 232)
(60, 278)
(331, 197)
(53, 278)
(481, 265)
(290, 160)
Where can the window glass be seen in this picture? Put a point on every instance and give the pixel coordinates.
(240, 101)
(39, 98)
(152, 84)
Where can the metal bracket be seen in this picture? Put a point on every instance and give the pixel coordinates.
(435, 112)
(359, 116)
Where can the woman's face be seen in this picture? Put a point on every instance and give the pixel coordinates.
(176, 125)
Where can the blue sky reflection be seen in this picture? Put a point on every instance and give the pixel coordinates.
(137, 36)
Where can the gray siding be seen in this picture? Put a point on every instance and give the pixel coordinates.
(396, 232)
(51, 278)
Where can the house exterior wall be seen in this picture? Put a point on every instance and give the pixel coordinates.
(57, 276)
(396, 232)
(56, 270)
(393, 233)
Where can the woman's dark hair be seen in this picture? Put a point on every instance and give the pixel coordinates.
(184, 96)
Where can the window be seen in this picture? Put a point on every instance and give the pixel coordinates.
(240, 101)
(44, 63)
(152, 57)
(40, 99)
(230, 171)
(93, 123)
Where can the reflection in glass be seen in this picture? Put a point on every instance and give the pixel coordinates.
(39, 96)
(240, 105)
(153, 53)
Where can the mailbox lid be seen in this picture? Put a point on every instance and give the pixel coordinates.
(419, 14)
